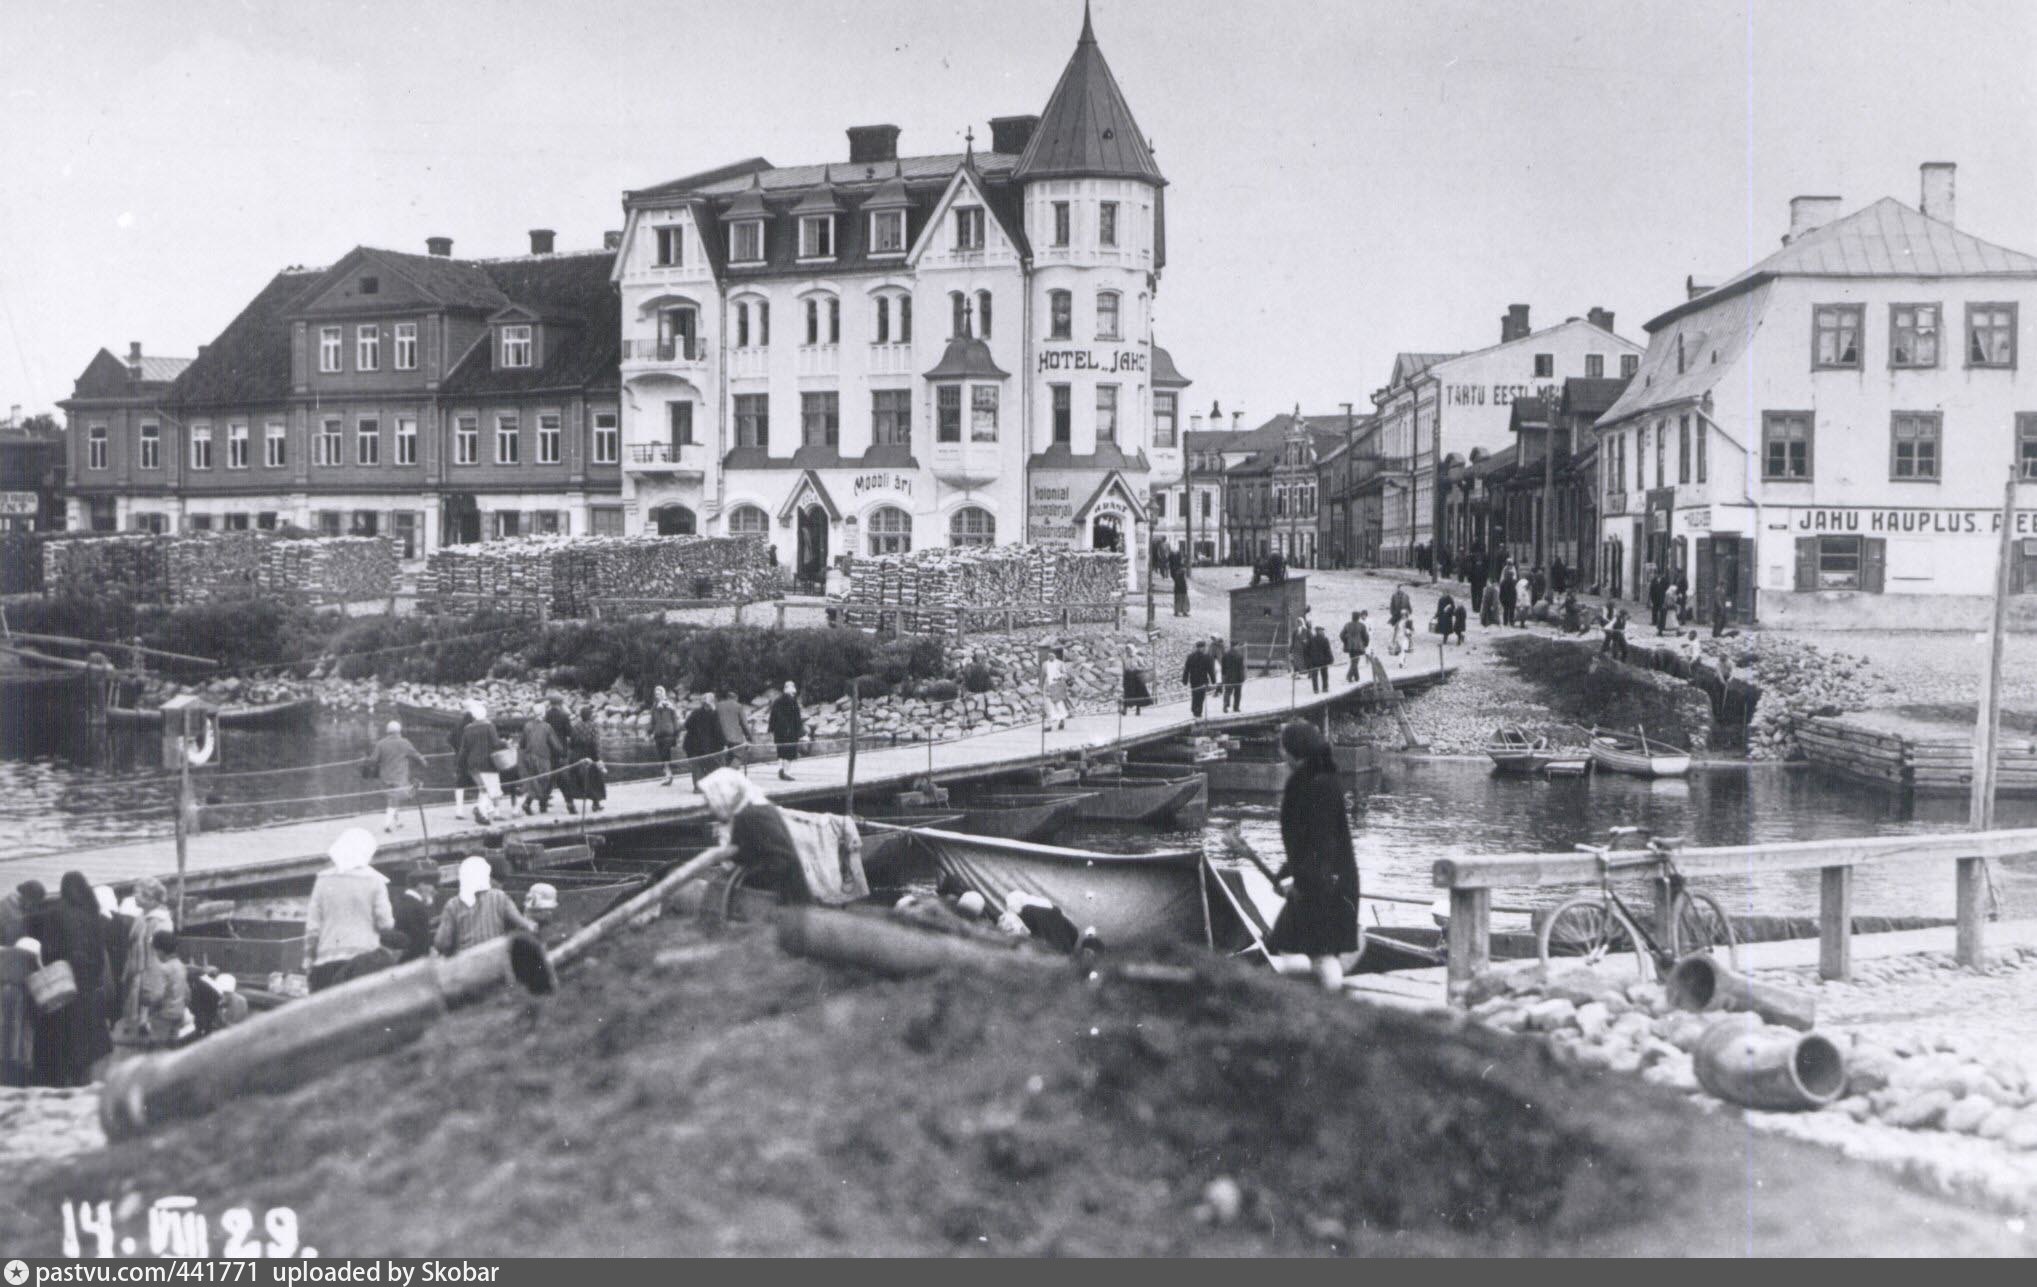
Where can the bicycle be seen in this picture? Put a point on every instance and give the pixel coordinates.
(1589, 927)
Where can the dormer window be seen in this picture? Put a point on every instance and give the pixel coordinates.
(516, 346)
(671, 248)
(887, 232)
(969, 228)
(817, 237)
(746, 244)
(371, 285)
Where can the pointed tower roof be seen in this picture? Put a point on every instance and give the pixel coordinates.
(1087, 130)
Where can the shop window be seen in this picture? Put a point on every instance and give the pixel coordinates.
(972, 526)
(1841, 563)
(890, 531)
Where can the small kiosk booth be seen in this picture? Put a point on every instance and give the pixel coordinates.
(1263, 617)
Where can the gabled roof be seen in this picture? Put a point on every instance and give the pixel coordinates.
(1885, 239)
(1406, 366)
(1528, 411)
(1165, 374)
(966, 358)
(250, 361)
(569, 288)
(1113, 481)
(448, 282)
(1087, 130)
(1588, 398)
(107, 376)
(808, 487)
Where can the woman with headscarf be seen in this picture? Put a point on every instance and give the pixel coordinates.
(1137, 695)
(70, 1041)
(539, 753)
(18, 959)
(746, 818)
(153, 916)
(788, 727)
(584, 746)
(1320, 919)
(478, 912)
(349, 908)
(478, 744)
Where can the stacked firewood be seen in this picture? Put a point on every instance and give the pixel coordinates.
(940, 591)
(575, 576)
(200, 567)
(330, 569)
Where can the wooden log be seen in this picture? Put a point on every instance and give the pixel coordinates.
(642, 905)
(898, 951)
(1835, 923)
(1470, 939)
(1970, 912)
(286, 1048)
(1703, 983)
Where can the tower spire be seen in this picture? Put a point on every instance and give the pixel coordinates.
(1088, 32)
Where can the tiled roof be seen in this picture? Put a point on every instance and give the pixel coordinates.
(1087, 130)
(1885, 239)
(582, 345)
(250, 361)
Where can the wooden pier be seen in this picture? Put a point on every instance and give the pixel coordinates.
(1889, 754)
(223, 859)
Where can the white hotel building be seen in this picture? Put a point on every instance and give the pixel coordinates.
(1828, 435)
(890, 352)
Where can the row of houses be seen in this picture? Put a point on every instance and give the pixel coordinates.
(855, 356)
(1823, 439)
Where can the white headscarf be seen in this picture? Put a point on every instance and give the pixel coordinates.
(541, 897)
(474, 877)
(224, 983)
(476, 709)
(354, 849)
(728, 793)
(27, 944)
(109, 902)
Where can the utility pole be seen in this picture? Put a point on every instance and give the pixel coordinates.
(1972, 878)
(1346, 540)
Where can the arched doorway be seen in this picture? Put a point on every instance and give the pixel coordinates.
(813, 544)
(675, 520)
(1106, 533)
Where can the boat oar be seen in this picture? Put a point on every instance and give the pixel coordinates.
(1235, 844)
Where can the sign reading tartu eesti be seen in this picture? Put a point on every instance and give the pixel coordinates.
(1494, 395)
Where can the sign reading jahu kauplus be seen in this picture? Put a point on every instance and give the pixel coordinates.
(1864, 520)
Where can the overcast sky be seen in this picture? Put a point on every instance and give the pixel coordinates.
(1347, 179)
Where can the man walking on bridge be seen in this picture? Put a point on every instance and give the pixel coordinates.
(1198, 672)
(1356, 640)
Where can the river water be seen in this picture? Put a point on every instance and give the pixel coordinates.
(1424, 810)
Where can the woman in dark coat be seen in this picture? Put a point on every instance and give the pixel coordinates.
(1320, 920)
(788, 727)
(69, 1042)
(584, 746)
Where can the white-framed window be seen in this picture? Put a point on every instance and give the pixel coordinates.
(1164, 419)
(406, 440)
(887, 232)
(948, 413)
(237, 446)
(548, 438)
(201, 446)
(1060, 315)
(972, 525)
(368, 442)
(969, 227)
(983, 413)
(1061, 223)
(607, 438)
(330, 445)
(368, 348)
(95, 447)
(1106, 315)
(329, 341)
(748, 520)
(507, 440)
(406, 346)
(817, 237)
(516, 346)
(467, 440)
(890, 531)
(149, 450)
(1106, 413)
(983, 314)
(671, 249)
(1107, 223)
(746, 242)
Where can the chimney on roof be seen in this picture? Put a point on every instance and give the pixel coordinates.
(1010, 134)
(1237, 422)
(134, 350)
(1692, 288)
(439, 246)
(541, 241)
(1808, 214)
(872, 143)
(612, 239)
(1515, 324)
(1935, 196)
(1600, 317)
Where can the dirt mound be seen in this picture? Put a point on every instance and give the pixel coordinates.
(736, 1100)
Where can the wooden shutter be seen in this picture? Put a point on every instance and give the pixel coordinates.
(1873, 564)
(1701, 575)
(1807, 563)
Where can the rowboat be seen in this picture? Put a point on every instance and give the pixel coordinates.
(1634, 753)
(1128, 899)
(1247, 773)
(1018, 816)
(414, 717)
(282, 712)
(1182, 801)
(1513, 751)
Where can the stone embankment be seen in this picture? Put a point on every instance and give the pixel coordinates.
(1944, 1108)
(1798, 679)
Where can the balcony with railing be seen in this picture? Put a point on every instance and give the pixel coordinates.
(666, 458)
(680, 351)
(891, 359)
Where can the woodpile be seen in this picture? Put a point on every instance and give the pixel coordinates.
(330, 569)
(950, 591)
(578, 576)
(143, 568)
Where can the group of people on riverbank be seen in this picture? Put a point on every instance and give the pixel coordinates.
(85, 970)
(553, 751)
(716, 733)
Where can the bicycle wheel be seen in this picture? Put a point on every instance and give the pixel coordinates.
(1587, 929)
(1701, 926)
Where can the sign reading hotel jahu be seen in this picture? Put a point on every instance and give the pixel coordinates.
(1109, 362)
(1839, 519)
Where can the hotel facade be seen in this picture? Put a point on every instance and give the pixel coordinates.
(889, 352)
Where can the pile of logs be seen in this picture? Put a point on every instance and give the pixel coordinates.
(330, 569)
(952, 591)
(209, 567)
(579, 576)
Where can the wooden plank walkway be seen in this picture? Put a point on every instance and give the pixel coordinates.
(221, 858)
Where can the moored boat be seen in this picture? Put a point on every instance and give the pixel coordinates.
(1018, 815)
(1635, 754)
(1181, 801)
(1513, 751)
(282, 712)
